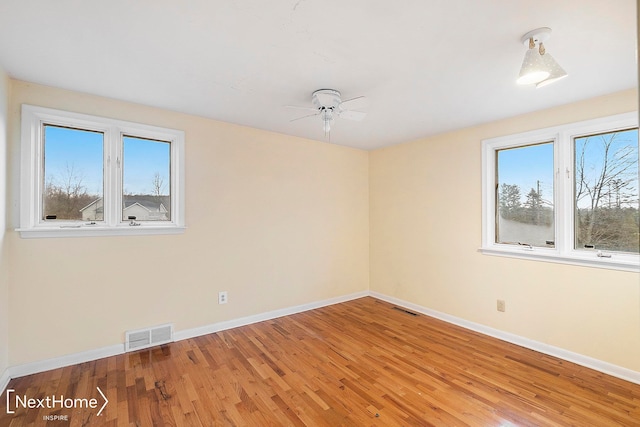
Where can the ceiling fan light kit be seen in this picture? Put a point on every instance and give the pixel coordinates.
(538, 66)
(327, 120)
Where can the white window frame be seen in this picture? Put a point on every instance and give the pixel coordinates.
(34, 119)
(563, 139)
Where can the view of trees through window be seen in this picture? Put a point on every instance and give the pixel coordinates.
(605, 178)
(525, 196)
(606, 191)
(146, 173)
(74, 174)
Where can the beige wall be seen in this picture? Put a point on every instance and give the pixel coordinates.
(425, 217)
(279, 221)
(4, 253)
(276, 221)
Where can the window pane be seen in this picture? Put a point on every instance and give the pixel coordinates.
(524, 196)
(606, 192)
(146, 179)
(73, 174)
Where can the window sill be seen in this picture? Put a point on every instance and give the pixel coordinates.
(97, 231)
(616, 262)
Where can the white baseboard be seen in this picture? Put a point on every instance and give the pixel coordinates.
(589, 362)
(113, 350)
(242, 321)
(66, 360)
(4, 380)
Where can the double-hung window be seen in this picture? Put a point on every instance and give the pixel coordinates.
(565, 194)
(83, 175)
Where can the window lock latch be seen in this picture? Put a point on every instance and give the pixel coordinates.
(603, 255)
(132, 221)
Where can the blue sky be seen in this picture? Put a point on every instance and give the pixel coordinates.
(81, 152)
(623, 141)
(144, 158)
(525, 166)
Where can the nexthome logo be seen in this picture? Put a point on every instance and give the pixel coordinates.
(52, 402)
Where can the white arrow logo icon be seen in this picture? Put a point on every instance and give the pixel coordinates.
(105, 401)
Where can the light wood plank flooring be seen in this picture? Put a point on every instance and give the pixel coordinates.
(359, 363)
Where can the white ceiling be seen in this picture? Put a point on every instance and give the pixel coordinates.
(427, 66)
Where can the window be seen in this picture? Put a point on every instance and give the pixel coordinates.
(606, 191)
(73, 173)
(91, 176)
(524, 215)
(146, 173)
(565, 194)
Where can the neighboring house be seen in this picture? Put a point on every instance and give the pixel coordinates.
(141, 207)
(145, 210)
(94, 211)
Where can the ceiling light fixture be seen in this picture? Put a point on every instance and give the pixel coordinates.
(556, 72)
(538, 66)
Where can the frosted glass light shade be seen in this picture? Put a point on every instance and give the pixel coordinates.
(533, 69)
(327, 120)
(326, 126)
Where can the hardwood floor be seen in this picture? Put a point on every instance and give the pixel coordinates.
(360, 363)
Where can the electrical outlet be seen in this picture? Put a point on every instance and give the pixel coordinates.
(501, 306)
(222, 297)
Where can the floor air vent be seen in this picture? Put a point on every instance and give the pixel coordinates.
(405, 311)
(145, 338)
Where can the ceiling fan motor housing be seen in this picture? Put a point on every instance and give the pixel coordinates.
(325, 99)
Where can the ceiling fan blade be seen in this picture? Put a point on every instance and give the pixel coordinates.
(352, 115)
(358, 103)
(296, 107)
(304, 117)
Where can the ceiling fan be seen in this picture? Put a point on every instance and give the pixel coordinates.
(327, 104)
